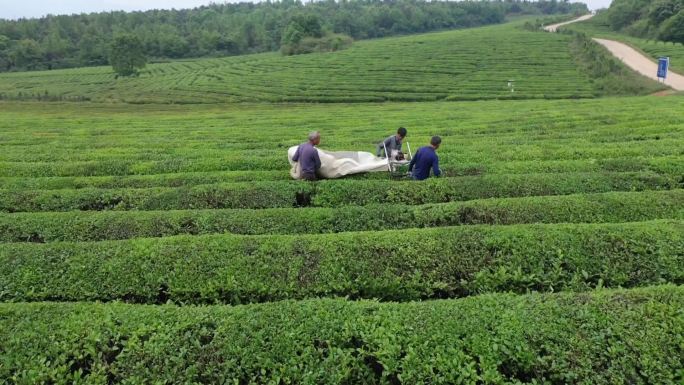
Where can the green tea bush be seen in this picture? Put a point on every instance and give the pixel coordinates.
(330, 193)
(602, 338)
(123, 173)
(586, 208)
(487, 186)
(140, 181)
(234, 195)
(390, 265)
(672, 165)
(507, 137)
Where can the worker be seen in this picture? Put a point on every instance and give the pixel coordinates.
(392, 144)
(425, 159)
(307, 156)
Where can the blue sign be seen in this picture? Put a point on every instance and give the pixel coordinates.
(663, 63)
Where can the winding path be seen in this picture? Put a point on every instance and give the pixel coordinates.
(631, 57)
(640, 63)
(554, 27)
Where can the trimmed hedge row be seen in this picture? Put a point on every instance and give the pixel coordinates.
(143, 152)
(111, 177)
(131, 167)
(140, 181)
(330, 193)
(391, 265)
(589, 156)
(601, 338)
(97, 226)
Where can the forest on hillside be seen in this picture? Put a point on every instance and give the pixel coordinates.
(233, 29)
(658, 20)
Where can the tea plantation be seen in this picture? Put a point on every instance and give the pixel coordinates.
(150, 232)
(166, 244)
(468, 64)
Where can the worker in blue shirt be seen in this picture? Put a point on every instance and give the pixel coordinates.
(426, 158)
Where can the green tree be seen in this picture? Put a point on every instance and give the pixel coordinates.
(26, 54)
(127, 55)
(299, 28)
(623, 13)
(673, 28)
(92, 50)
(311, 25)
(4, 42)
(55, 50)
(302, 26)
(662, 10)
(293, 34)
(5, 62)
(172, 45)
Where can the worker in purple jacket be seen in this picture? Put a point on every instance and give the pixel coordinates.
(425, 159)
(307, 156)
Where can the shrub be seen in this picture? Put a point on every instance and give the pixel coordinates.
(96, 226)
(390, 265)
(330, 193)
(327, 43)
(602, 338)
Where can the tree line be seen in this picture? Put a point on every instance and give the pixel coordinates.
(233, 29)
(659, 19)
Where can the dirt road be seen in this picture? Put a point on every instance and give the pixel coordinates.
(640, 63)
(631, 57)
(554, 27)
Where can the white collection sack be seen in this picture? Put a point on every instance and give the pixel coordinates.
(336, 164)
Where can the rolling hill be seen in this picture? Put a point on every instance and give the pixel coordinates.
(454, 65)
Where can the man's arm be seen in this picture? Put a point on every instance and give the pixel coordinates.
(435, 166)
(317, 159)
(413, 160)
(296, 154)
(386, 144)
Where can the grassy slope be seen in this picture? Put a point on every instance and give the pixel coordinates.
(464, 64)
(598, 27)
